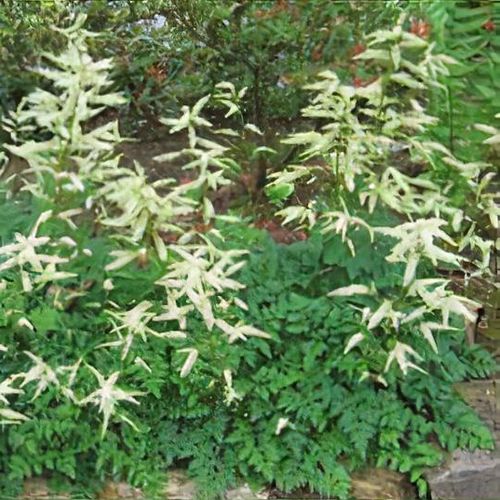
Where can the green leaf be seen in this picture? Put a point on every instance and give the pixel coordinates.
(280, 191)
(45, 319)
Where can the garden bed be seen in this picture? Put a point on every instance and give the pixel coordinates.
(240, 302)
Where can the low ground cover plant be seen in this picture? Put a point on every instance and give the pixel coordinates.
(187, 337)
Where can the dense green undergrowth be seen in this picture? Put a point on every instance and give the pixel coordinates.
(297, 414)
(144, 327)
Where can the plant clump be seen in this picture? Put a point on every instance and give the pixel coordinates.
(187, 336)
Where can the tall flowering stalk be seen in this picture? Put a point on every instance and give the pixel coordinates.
(363, 131)
(75, 172)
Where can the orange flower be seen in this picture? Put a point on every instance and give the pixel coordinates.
(420, 28)
(158, 74)
(185, 180)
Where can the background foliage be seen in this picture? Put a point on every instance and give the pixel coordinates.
(254, 372)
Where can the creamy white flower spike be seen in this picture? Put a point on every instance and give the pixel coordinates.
(6, 389)
(41, 373)
(399, 354)
(281, 425)
(11, 416)
(108, 396)
(24, 322)
(347, 291)
(34, 267)
(192, 356)
(128, 325)
(230, 395)
(353, 342)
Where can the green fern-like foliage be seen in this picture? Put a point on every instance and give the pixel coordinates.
(295, 406)
(468, 31)
(306, 419)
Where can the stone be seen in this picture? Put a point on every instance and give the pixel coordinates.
(484, 397)
(468, 475)
(179, 486)
(245, 493)
(118, 490)
(36, 488)
(366, 484)
(376, 484)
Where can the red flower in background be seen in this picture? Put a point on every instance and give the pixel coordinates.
(420, 28)
(358, 49)
(357, 82)
(489, 25)
(300, 235)
(202, 228)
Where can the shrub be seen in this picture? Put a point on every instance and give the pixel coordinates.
(107, 267)
(26, 32)
(310, 411)
(126, 304)
(351, 158)
(467, 32)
